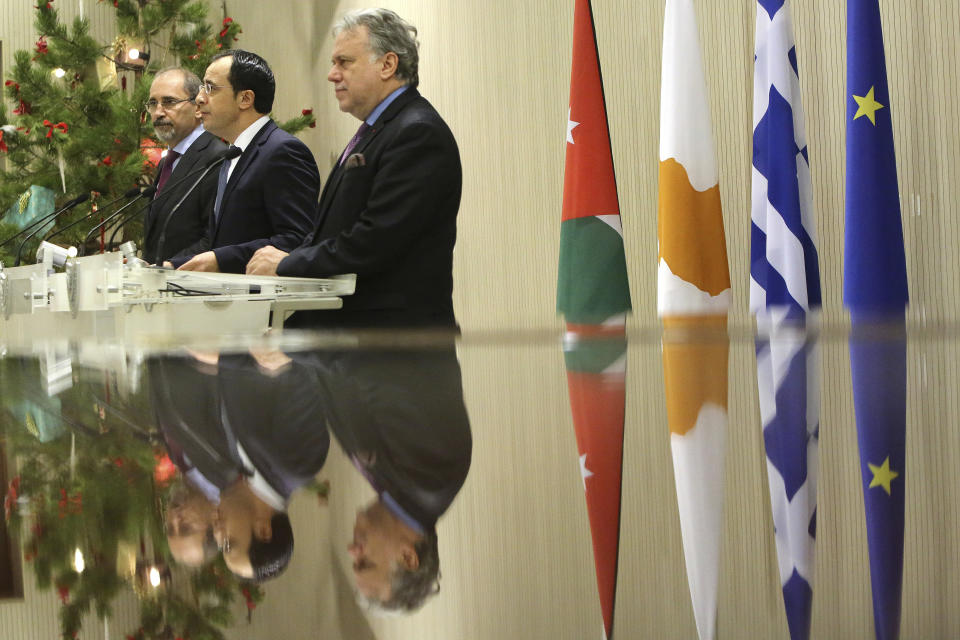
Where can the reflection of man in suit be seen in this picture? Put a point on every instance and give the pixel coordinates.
(267, 195)
(246, 440)
(173, 110)
(389, 207)
(400, 417)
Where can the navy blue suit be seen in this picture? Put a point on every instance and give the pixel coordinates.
(270, 199)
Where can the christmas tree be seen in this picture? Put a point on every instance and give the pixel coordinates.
(88, 501)
(78, 123)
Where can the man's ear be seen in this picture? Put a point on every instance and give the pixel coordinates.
(262, 530)
(388, 68)
(246, 99)
(409, 559)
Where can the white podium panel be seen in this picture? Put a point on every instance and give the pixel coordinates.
(101, 297)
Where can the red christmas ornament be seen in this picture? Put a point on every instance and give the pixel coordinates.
(107, 161)
(42, 43)
(152, 152)
(14, 491)
(60, 126)
(64, 592)
(164, 471)
(226, 27)
(3, 145)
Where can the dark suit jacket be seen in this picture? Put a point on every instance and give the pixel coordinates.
(271, 198)
(401, 414)
(278, 419)
(189, 225)
(389, 215)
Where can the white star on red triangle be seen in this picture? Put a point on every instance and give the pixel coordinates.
(571, 125)
(584, 472)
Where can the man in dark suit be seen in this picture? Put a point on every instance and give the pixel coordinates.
(246, 436)
(399, 415)
(173, 109)
(389, 207)
(267, 195)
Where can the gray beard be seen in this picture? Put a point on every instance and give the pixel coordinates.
(165, 136)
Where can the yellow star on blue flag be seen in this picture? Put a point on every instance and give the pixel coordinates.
(867, 106)
(883, 475)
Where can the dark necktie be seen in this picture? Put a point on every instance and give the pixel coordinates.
(222, 185)
(168, 161)
(353, 142)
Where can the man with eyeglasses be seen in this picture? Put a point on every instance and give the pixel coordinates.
(176, 123)
(268, 194)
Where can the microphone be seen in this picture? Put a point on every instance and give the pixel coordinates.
(70, 204)
(146, 193)
(229, 153)
(128, 194)
(168, 188)
(83, 197)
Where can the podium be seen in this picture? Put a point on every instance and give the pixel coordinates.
(107, 297)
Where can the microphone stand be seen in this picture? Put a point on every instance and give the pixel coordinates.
(81, 198)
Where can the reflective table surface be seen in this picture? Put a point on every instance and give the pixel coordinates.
(668, 484)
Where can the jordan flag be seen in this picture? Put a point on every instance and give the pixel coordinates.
(693, 295)
(594, 296)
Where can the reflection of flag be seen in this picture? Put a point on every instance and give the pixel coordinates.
(878, 365)
(693, 294)
(592, 284)
(784, 288)
(875, 290)
(592, 291)
(596, 362)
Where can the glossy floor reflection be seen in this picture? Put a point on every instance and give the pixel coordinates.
(448, 477)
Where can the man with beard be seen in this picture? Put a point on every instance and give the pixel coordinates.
(173, 110)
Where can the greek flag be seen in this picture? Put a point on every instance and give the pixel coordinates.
(785, 295)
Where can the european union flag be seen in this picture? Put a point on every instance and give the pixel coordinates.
(878, 363)
(875, 270)
(875, 290)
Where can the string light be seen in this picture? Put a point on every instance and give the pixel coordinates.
(78, 562)
(134, 54)
(154, 577)
(59, 72)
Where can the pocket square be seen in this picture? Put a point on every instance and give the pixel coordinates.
(356, 160)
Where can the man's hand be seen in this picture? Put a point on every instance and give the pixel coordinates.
(206, 261)
(264, 262)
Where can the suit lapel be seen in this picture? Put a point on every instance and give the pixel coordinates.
(187, 162)
(243, 162)
(336, 174)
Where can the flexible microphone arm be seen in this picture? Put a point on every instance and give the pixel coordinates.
(81, 198)
(227, 154)
(146, 193)
(70, 204)
(129, 194)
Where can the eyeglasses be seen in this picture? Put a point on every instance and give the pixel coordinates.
(208, 87)
(166, 103)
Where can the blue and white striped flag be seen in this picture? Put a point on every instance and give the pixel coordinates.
(785, 293)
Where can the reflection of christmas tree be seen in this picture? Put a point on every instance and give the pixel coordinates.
(88, 500)
(78, 124)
